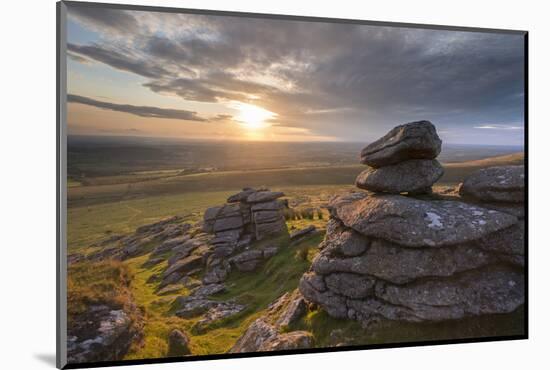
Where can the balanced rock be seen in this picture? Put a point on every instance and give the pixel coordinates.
(412, 176)
(496, 184)
(415, 140)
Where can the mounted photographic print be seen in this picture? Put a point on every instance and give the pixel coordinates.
(235, 184)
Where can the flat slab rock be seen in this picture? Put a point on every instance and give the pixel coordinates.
(414, 140)
(417, 223)
(411, 176)
(500, 184)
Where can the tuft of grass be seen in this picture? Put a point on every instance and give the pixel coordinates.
(97, 283)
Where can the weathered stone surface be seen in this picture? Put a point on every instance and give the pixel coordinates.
(217, 274)
(220, 311)
(334, 304)
(417, 223)
(509, 241)
(350, 285)
(294, 310)
(273, 205)
(185, 265)
(267, 332)
(228, 223)
(178, 343)
(266, 230)
(340, 241)
(292, 340)
(191, 306)
(472, 293)
(515, 209)
(264, 196)
(248, 261)
(399, 265)
(412, 176)
(101, 334)
(227, 237)
(257, 333)
(170, 244)
(262, 217)
(415, 140)
(497, 184)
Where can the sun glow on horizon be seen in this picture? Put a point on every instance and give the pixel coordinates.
(253, 117)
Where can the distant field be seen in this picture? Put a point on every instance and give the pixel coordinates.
(96, 211)
(90, 224)
(143, 185)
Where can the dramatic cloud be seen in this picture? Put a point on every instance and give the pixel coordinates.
(332, 79)
(105, 20)
(140, 111)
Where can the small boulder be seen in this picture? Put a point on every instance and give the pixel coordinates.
(178, 343)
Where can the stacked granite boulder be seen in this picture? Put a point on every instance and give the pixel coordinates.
(396, 257)
(403, 161)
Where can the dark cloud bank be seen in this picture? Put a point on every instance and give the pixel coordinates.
(330, 78)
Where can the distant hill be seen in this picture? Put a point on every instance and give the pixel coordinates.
(501, 160)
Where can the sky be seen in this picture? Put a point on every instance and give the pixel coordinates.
(192, 76)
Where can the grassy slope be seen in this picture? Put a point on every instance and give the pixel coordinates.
(97, 283)
(257, 290)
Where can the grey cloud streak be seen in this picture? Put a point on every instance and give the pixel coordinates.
(141, 111)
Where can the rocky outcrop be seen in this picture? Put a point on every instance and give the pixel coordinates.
(198, 303)
(269, 332)
(102, 333)
(254, 214)
(142, 241)
(403, 161)
(403, 258)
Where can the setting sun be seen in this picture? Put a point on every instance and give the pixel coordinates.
(253, 117)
